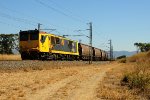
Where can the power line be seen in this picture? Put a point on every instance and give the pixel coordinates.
(4, 15)
(67, 10)
(31, 17)
(58, 11)
(14, 11)
(15, 18)
(8, 24)
(34, 19)
(80, 32)
(51, 1)
(45, 5)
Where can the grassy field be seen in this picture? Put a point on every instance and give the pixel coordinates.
(139, 77)
(9, 57)
(129, 78)
(129, 82)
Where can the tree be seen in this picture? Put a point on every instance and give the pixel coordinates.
(143, 47)
(8, 42)
(16, 42)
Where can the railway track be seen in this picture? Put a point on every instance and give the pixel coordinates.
(39, 65)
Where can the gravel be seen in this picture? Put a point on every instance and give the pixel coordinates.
(39, 65)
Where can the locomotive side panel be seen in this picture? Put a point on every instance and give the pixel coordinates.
(64, 46)
(44, 43)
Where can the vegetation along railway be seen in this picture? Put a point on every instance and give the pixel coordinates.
(38, 45)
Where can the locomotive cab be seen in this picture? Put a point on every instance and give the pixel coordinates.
(29, 40)
(32, 42)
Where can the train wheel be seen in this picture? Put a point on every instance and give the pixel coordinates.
(24, 56)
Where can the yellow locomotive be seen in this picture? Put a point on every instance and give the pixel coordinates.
(35, 44)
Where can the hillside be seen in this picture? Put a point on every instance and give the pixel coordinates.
(120, 53)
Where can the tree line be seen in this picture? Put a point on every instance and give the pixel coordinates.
(9, 43)
(143, 47)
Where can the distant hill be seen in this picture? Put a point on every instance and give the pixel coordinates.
(120, 53)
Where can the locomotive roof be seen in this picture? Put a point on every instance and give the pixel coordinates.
(42, 32)
(29, 30)
(62, 37)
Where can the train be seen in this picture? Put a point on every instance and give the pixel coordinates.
(39, 45)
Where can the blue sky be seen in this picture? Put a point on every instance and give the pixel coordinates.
(123, 21)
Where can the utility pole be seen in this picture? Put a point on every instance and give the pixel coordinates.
(111, 50)
(90, 43)
(39, 25)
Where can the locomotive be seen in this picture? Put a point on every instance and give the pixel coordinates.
(35, 44)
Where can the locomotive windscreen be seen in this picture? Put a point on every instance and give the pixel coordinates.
(25, 35)
(34, 35)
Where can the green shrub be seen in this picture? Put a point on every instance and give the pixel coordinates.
(138, 78)
(123, 60)
(140, 81)
(120, 57)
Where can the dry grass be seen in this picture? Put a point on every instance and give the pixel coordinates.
(16, 85)
(131, 81)
(140, 57)
(123, 60)
(111, 89)
(138, 78)
(9, 57)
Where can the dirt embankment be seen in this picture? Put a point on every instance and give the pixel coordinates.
(72, 83)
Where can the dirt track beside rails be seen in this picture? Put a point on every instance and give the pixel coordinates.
(70, 82)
